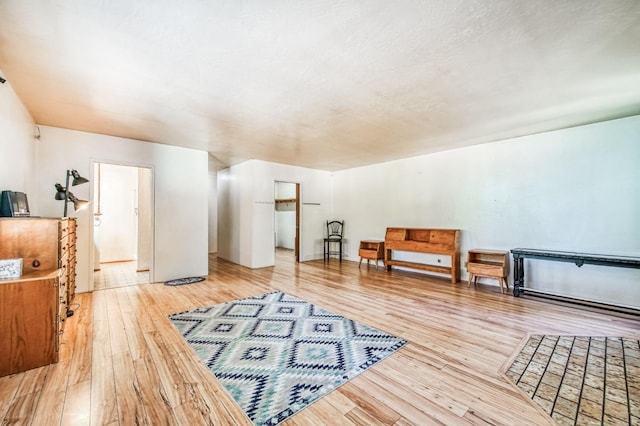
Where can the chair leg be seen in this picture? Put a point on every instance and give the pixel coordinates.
(340, 250)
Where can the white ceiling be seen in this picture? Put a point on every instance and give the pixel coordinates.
(327, 84)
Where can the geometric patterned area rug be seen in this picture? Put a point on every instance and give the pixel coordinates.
(275, 354)
(581, 380)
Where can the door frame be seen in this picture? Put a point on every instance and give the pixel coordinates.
(296, 249)
(92, 196)
(298, 221)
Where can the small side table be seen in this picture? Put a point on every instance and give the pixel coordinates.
(371, 250)
(487, 263)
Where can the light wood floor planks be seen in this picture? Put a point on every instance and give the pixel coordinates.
(123, 363)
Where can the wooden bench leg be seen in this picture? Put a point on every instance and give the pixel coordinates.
(500, 281)
(360, 264)
(469, 281)
(506, 283)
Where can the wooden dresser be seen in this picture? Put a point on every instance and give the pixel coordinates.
(33, 307)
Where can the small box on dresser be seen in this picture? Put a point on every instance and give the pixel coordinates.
(10, 268)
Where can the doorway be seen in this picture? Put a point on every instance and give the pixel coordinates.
(287, 219)
(122, 232)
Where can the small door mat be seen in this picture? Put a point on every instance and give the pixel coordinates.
(580, 380)
(183, 281)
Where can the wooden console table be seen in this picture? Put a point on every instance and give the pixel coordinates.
(432, 241)
(519, 254)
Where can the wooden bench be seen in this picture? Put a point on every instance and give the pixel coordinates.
(432, 241)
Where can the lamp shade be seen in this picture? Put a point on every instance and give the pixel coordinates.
(80, 204)
(60, 192)
(77, 179)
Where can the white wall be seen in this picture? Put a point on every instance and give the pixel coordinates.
(285, 190)
(145, 219)
(179, 193)
(213, 204)
(285, 215)
(234, 214)
(576, 189)
(118, 233)
(246, 211)
(17, 146)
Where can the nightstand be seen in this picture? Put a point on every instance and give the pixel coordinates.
(371, 250)
(487, 263)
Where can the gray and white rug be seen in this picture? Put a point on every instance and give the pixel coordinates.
(276, 354)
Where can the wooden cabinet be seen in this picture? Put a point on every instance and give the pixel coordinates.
(34, 307)
(371, 250)
(487, 263)
(30, 321)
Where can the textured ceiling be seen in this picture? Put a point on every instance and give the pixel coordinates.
(327, 84)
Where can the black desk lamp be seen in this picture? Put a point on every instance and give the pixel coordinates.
(67, 196)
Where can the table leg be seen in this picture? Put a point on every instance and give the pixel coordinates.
(518, 275)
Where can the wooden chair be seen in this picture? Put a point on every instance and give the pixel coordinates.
(334, 236)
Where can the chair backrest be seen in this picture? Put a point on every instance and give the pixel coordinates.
(334, 228)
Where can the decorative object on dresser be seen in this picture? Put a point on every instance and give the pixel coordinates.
(14, 204)
(10, 268)
(371, 250)
(432, 241)
(35, 306)
(335, 229)
(67, 196)
(487, 263)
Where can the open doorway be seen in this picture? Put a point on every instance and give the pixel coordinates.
(287, 219)
(122, 230)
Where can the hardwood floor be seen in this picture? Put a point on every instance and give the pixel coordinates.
(118, 274)
(123, 363)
